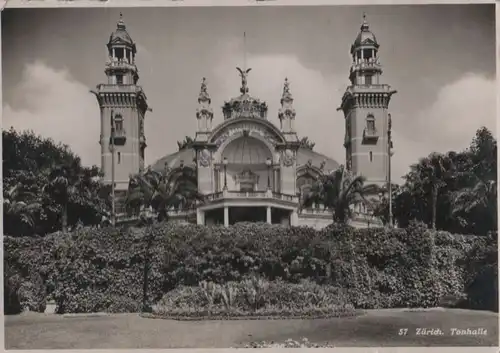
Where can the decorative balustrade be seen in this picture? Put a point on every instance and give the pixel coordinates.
(268, 194)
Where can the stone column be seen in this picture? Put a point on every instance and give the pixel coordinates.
(294, 218)
(226, 216)
(200, 217)
(268, 215)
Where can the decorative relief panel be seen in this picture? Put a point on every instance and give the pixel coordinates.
(204, 157)
(288, 157)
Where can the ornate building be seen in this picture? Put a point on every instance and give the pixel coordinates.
(248, 168)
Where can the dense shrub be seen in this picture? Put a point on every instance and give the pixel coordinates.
(92, 270)
(254, 297)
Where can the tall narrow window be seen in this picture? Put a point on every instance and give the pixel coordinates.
(119, 79)
(118, 123)
(368, 80)
(371, 156)
(370, 123)
(119, 157)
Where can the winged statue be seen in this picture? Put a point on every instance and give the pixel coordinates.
(243, 75)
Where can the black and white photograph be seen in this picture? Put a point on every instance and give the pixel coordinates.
(307, 176)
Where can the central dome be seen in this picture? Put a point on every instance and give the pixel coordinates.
(246, 150)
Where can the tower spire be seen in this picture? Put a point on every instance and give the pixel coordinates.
(364, 25)
(120, 24)
(204, 113)
(286, 113)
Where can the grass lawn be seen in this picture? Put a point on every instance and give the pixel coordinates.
(376, 328)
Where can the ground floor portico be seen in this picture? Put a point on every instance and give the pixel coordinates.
(228, 208)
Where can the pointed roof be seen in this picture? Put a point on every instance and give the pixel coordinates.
(120, 36)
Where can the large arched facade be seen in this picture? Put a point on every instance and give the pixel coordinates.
(249, 169)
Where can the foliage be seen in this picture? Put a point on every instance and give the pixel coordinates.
(124, 269)
(306, 143)
(339, 191)
(46, 188)
(162, 192)
(254, 296)
(456, 191)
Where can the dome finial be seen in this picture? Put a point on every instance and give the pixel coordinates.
(364, 26)
(287, 95)
(121, 23)
(204, 96)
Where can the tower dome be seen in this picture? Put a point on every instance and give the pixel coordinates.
(365, 37)
(120, 36)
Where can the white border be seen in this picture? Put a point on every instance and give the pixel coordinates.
(188, 3)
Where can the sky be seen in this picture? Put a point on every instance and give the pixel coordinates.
(439, 58)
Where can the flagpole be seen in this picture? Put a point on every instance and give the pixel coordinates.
(389, 148)
(244, 51)
(113, 215)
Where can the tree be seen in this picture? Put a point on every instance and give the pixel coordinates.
(475, 203)
(36, 167)
(152, 189)
(455, 191)
(430, 176)
(339, 191)
(20, 209)
(306, 143)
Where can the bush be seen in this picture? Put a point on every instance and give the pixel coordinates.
(124, 269)
(254, 297)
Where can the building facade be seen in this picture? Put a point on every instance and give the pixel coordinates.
(248, 168)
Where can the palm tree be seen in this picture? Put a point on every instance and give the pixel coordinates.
(431, 173)
(71, 183)
(152, 189)
(480, 197)
(20, 207)
(339, 191)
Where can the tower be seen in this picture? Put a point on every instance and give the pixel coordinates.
(123, 108)
(365, 105)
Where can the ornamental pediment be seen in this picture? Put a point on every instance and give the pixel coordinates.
(247, 129)
(368, 41)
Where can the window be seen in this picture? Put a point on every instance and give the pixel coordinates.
(370, 123)
(371, 156)
(118, 123)
(368, 80)
(119, 79)
(119, 157)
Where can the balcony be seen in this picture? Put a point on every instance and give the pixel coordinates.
(251, 195)
(370, 136)
(120, 137)
(120, 64)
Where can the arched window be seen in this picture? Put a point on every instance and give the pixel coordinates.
(118, 123)
(370, 123)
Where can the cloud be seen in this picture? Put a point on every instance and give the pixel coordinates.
(57, 106)
(448, 124)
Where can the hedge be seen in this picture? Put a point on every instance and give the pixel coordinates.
(92, 270)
